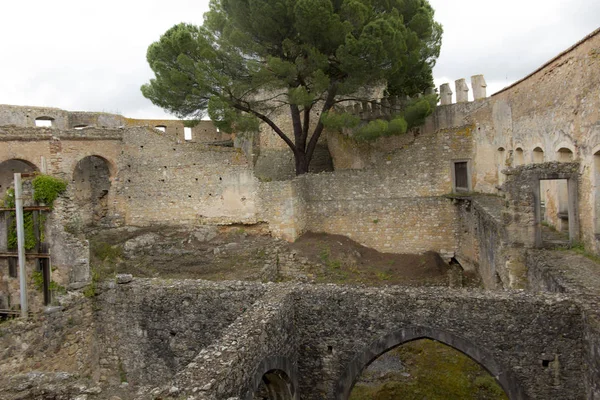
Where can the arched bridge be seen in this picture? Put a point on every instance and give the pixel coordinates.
(296, 341)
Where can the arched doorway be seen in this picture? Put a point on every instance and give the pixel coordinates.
(275, 385)
(363, 359)
(9, 168)
(91, 187)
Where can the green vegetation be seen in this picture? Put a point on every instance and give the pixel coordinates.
(103, 264)
(122, 373)
(579, 248)
(38, 282)
(250, 58)
(435, 372)
(47, 188)
(325, 254)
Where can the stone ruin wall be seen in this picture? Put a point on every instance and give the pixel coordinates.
(215, 340)
(556, 107)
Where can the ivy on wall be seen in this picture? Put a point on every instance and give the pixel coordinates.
(45, 190)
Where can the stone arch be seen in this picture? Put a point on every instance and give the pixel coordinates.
(355, 368)
(519, 156)
(278, 377)
(91, 185)
(537, 155)
(565, 152)
(9, 167)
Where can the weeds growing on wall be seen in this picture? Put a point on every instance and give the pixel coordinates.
(45, 190)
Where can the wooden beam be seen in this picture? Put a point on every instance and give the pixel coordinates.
(32, 208)
(28, 255)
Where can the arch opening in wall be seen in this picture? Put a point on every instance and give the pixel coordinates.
(428, 369)
(8, 169)
(519, 156)
(564, 154)
(508, 383)
(79, 127)
(91, 187)
(44, 122)
(537, 155)
(275, 385)
(161, 128)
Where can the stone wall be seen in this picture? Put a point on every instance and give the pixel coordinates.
(150, 330)
(162, 181)
(532, 360)
(174, 339)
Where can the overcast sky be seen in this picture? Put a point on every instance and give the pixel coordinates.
(91, 55)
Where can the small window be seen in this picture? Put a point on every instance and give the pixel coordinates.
(187, 133)
(44, 122)
(461, 176)
(161, 128)
(79, 127)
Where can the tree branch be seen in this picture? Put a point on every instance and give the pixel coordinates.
(269, 122)
(329, 101)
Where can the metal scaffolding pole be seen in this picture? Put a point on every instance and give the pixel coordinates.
(21, 244)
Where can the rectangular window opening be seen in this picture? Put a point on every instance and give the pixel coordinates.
(461, 175)
(187, 133)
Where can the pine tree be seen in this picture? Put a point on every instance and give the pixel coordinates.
(251, 57)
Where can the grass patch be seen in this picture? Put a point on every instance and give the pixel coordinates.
(579, 248)
(433, 371)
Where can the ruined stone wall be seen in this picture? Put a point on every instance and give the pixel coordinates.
(369, 321)
(395, 203)
(555, 108)
(163, 182)
(151, 330)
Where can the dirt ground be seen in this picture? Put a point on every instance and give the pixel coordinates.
(250, 253)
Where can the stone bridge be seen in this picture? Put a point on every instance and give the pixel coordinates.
(221, 340)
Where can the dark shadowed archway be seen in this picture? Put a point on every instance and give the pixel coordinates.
(398, 338)
(275, 379)
(92, 184)
(9, 167)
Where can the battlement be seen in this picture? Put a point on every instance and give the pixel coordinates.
(462, 90)
(383, 108)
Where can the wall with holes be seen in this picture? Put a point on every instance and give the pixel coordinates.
(162, 181)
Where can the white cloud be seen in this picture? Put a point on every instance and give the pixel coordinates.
(91, 56)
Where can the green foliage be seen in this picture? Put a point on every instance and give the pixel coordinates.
(38, 283)
(47, 188)
(250, 58)
(9, 198)
(191, 123)
(435, 372)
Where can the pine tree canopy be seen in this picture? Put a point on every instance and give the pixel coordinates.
(253, 57)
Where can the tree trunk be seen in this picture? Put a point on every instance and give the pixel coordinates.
(302, 162)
